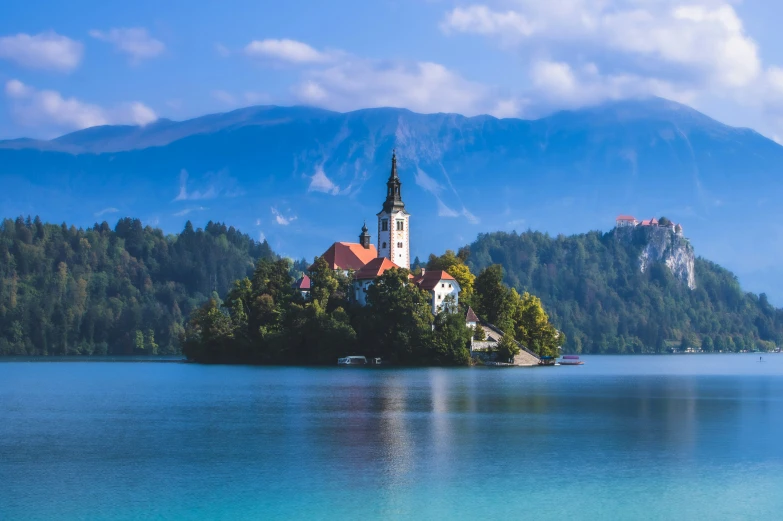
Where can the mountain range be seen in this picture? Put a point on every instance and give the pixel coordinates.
(304, 177)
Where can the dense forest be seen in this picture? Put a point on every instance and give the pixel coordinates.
(133, 290)
(594, 291)
(65, 290)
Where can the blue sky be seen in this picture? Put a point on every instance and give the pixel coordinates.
(68, 65)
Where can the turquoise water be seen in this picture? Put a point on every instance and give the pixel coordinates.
(666, 437)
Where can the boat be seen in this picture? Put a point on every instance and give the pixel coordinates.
(571, 360)
(352, 360)
(548, 360)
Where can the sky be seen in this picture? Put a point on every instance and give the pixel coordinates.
(71, 65)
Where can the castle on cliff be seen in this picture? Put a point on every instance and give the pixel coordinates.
(629, 221)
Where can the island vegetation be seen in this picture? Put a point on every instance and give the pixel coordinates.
(264, 320)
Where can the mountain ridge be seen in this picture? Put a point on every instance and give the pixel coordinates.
(75, 142)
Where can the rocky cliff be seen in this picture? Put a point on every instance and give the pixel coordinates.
(660, 244)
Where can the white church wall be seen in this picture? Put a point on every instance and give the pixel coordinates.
(444, 289)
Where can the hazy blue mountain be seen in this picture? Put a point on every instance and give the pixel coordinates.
(306, 177)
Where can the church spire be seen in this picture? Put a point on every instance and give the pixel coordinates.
(393, 189)
(393, 174)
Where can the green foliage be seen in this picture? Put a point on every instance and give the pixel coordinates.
(522, 317)
(592, 287)
(451, 340)
(507, 347)
(67, 291)
(397, 321)
(262, 321)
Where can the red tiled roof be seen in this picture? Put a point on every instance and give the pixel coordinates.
(626, 218)
(471, 316)
(303, 283)
(374, 268)
(430, 279)
(349, 255)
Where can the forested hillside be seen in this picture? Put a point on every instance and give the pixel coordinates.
(594, 291)
(128, 290)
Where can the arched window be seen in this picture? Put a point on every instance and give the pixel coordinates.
(383, 245)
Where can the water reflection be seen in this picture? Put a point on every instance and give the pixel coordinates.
(319, 443)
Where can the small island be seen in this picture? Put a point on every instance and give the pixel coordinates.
(363, 299)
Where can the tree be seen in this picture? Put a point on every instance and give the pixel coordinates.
(532, 327)
(323, 282)
(138, 342)
(491, 294)
(208, 334)
(451, 340)
(149, 343)
(507, 347)
(397, 321)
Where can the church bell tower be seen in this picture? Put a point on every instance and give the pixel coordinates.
(393, 222)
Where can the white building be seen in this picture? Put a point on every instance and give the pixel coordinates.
(626, 220)
(394, 223)
(442, 287)
(471, 320)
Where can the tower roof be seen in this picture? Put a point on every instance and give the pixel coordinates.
(471, 315)
(393, 201)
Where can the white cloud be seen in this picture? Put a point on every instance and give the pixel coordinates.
(285, 50)
(258, 222)
(224, 97)
(261, 237)
(281, 219)
(222, 50)
(558, 84)
(48, 108)
(426, 182)
(140, 114)
(186, 211)
(472, 219)
(445, 211)
(136, 42)
(422, 87)
(214, 184)
(319, 182)
(481, 19)
(581, 52)
(235, 100)
(516, 223)
(48, 50)
(105, 211)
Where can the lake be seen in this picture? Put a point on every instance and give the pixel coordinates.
(635, 437)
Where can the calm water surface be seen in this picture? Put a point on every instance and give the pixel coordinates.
(666, 437)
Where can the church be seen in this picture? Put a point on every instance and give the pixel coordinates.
(367, 261)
